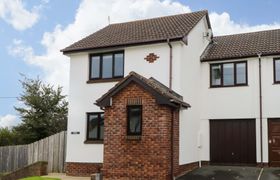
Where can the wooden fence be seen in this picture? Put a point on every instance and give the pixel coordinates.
(51, 149)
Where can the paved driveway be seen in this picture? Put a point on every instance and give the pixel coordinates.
(232, 173)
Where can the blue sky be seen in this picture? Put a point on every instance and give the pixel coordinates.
(33, 32)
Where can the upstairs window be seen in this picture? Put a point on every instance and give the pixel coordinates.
(228, 74)
(106, 66)
(277, 70)
(95, 126)
(134, 120)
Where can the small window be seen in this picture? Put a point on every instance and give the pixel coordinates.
(241, 73)
(276, 70)
(228, 74)
(95, 126)
(118, 66)
(216, 72)
(95, 67)
(106, 66)
(134, 120)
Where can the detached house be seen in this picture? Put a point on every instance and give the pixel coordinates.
(155, 98)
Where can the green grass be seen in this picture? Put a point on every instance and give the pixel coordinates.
(39, 178)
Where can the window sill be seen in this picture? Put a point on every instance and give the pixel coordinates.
(276, 83)
(91, 81)
(133, 137)
(93, 142)
(213, 87)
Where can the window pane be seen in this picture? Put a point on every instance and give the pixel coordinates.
(101, 123)
(135, 120)
(216, 75)
(118, 65)
(277, 70)
(228, 74)
(241, 73)
(93, 126)
(107, 66)
(95, 67)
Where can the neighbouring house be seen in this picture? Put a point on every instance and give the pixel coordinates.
(155, 98)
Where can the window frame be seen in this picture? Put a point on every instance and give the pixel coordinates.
(235, 84)
(274, 70)
(101, 65)
(128, 107)
(98, 128)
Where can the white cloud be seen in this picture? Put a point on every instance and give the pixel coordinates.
(93, 15)
(8, 121)
(90, 16)
(14, 13)
(222, 24)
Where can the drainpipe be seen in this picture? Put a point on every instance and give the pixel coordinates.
(170, 63)
(171, 144)
(261, 108)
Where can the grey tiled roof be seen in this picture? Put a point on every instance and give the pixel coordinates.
(243, 45)
(174, 27)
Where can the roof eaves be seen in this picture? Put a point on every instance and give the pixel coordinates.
(238, 57)
(76, 50)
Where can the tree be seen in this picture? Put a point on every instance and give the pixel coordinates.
(7, 137)
(44, 111)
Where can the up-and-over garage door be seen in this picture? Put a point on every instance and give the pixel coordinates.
(233, 141)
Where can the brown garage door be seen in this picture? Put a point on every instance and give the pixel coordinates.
(233, 141)
(274, 142)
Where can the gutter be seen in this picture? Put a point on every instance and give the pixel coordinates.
(261, 106)
(170, 63)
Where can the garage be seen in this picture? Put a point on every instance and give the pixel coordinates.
(233, 142)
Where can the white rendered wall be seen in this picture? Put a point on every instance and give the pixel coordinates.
(83, 95)
(190, 79)
(240, 102)
(187, 76)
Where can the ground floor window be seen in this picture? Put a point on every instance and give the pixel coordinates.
(95, 126)
(134, 120)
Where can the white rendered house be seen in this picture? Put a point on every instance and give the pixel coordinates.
(231, 82)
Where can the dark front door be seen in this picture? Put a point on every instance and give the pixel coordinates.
(274, 141)
(233, 142)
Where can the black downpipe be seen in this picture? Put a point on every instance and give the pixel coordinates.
(172, 110)
(261, 108)
(170, 63)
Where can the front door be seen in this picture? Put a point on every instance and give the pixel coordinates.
(274, 142)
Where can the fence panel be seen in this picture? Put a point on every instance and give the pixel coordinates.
(51, 149)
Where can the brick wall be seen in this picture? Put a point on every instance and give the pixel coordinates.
(36, 169)
(82, 169)
(145, 158)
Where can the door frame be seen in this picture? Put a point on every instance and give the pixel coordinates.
(268, 135)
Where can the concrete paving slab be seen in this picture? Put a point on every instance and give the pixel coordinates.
(270, 174)
(223, 173)
(64, 177)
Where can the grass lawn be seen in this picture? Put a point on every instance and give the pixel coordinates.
(39, 178)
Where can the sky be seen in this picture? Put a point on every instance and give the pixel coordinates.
(32, 33)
